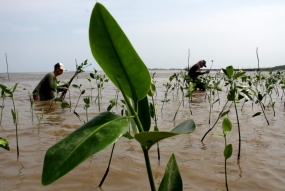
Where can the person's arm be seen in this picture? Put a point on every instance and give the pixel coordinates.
(62, 88)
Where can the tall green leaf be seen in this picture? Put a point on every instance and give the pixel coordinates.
(95, 135)
(172, 180)
(116, 56)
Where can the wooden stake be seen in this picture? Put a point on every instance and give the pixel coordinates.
(7, 66)
(257, 57)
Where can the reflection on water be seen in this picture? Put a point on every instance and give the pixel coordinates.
(261, 167)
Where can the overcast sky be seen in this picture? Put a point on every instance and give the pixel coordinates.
(36, 34)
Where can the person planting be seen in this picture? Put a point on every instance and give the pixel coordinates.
(45, 89)
(194, 72)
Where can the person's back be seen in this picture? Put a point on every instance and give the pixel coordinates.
(45, 89)
(194, 72)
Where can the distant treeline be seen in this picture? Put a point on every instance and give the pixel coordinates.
(244, 69)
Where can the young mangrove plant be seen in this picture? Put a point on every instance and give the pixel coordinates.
(10, 93)
(86, 105)
(129, 74)
(31, 103)
(228, 150)
(3, 96)
(40, 118)
(191, 88)
(81, 92)
(235, 94)
(165, 100)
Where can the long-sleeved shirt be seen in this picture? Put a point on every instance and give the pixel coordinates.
(45, 88)
(194, 71)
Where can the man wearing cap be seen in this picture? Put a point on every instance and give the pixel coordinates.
(45, 89)
(194, 72)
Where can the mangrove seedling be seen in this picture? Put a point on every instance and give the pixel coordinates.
(10, 93)
(165, 100)
(129, 74)
(3, 96)
(228, 150)
(40, 118)
(31, 104)
(86, 105)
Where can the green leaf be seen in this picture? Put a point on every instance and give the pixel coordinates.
(92, 75)
(148, 139)
(228, 151)
(92, 137)
(58, 99)
(231, 95)
(4, 144)
(218, 134)
(5, 89)
(171, 180)
(116, 56)
(230, 71)
(227, 126)
(64, 105)
(144, 113)
(187, 126)
(75, 86)
(14, 88)
(256, 114)
(239, 74)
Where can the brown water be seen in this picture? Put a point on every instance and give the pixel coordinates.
(262, 164)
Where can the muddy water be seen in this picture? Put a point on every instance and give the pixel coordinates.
(262, 164)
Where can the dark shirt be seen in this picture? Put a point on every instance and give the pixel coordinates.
(194, 72)
(45, 88)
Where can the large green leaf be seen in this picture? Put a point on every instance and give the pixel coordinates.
(116, 56)
(172, 180)
(148, 139)
(95, 135)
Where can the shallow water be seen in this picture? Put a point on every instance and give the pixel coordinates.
(261, 166)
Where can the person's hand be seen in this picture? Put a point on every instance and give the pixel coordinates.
(208, 71)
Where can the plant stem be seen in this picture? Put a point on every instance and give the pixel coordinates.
(226, 177)
(239, 140)
(16, 124)
(148, 167)
(215, 122)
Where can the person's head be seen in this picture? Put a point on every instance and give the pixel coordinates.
(58, 69)
(202, 63)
